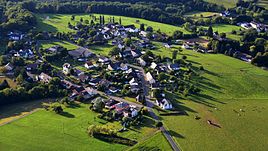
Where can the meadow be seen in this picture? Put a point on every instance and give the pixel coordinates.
(47, 44)
(45, 130)
(59, 22)
(234, 96)
(225, 3)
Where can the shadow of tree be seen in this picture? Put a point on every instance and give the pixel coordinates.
(175, 134)
(67, 114)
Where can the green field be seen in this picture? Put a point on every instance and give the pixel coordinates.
(65, 44)
(157, 142)
(59, 22)
(228, 85)
(197, 14)
(48, 131)
(263, 3)
(225, 3)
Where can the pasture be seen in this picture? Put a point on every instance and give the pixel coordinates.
(234, 96)
(59, 22)
(225, 3)
(45, 130)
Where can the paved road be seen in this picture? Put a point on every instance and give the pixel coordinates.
(150, 105)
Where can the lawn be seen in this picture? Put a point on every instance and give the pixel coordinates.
(47, 44)
(156, 142)
(225, 3)
(59, 22)
(197, 14)
(48, 131)
(224, 28)
(228, 85)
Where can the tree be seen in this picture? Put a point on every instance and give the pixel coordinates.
(210, 32)
(150, 29)
(120, 21)
(73, 17)
(114, 51)
(159, 124)
(142, 28)
(174, 54)
(98, 105)
(177, 34)
(3, 60)
(184, 57)
(4, 85)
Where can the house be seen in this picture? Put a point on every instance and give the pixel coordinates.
(110, 103)
(153, 65)
(186, 46)
(103, 60)
(120, 107)
(141, 62)
(9, 67)
(94, 81)
(54, 49)
(150, 78)
(32, 67)
(89, 65)
(174, 67)
(113, 90)
(80, 53)
(131, 112)
(44, 77)
(140, 98)
(135, 88)
(15, 36)
(32, 77)
(66, 68)
(118, 66)
(164, 104)
(135, 53)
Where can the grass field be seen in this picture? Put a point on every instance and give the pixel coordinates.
(263, 3)
(65, 44)
(48, 131)
(59, 22)
(157, 142)
(197, 14)
(228, 85)
(225, 3)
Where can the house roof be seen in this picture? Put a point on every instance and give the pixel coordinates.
(80, 52)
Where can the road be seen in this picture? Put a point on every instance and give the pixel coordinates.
(150, 106)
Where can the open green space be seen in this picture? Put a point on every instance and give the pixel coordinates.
(156, 142)
(225, 3)
(234, 96)
(197, 14)
(59, 22)
(47, 44)
(45, 130)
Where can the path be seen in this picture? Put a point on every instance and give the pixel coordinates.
(150, 106)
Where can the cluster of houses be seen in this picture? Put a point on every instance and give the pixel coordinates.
(254, 25)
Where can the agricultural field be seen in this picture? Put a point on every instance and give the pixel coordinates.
(156, 142)
(263, 3)
(59, 22)
(225, 3)
(201, 15)
(45, 130)
(233, 95)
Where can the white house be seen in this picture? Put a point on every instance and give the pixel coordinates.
(66, 68)
(153, 65)
(89, 65)
(141, 62)
(164, 104)
(9, 67)
(186, 46)
(150, 78)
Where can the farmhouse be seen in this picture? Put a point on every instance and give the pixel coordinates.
(44, 77)
(164, 104)
(80, 53)
(150, 78)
